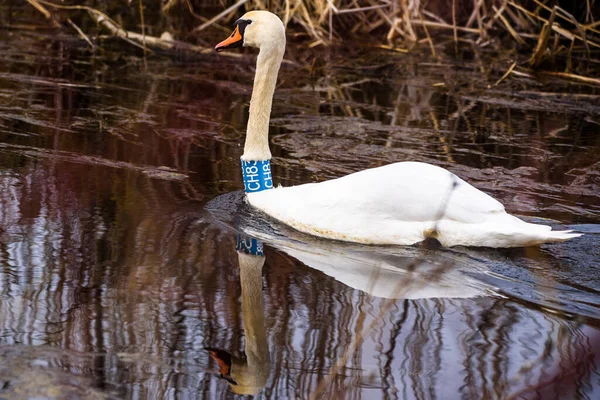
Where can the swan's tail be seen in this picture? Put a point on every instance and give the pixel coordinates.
(529, 234)
(501, 230)
(560, 236)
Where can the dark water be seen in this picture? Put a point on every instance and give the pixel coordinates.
(118, 226)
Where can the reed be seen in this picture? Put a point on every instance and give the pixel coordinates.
(547, 29)
(543, 30)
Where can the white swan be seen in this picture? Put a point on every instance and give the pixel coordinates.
(402, 203)
(248, 375)
(392, 273)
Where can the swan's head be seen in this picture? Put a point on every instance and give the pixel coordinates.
(242, 378)
(260, 29)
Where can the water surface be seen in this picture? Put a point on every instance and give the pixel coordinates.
(120, 212)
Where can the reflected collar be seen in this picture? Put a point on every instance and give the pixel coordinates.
(249, 245)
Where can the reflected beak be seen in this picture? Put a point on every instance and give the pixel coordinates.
(224, 362)
(233, 41)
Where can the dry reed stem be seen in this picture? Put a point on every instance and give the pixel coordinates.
(474, 14)
(286, 17)
(540, 49)
(431, 46)
(439, 25)
(401, 288)
(141, 5)
(454, 31)
(392, 48)
(408, 25)
(318, 18)
(219, 16)
(138, 39)
(193, 13)
(508, 26)
(555, 27)
(574, 77)
(168, 5)
(81, 33)
(405, 20)
(503, 77)
(40, 8)
(36, 4)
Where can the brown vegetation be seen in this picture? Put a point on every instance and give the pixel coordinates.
(551, 34)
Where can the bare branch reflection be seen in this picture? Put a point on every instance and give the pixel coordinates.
(115, 280)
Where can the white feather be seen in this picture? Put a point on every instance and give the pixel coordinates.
(402, 203)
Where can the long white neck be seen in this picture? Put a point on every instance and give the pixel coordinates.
(256, 349)
(269, 60)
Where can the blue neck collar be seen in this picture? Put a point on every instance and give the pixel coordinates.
(257, 176)
(249, 245)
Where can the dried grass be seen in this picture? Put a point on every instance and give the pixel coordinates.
(547, 33)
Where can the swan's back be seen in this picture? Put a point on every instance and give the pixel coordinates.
(401, 203)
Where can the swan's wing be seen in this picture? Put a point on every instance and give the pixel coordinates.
(470, 205)
(407, 191)
(419, 192)
(397, 203)
(403, 204)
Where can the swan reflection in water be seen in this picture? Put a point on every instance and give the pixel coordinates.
(437, 305)
(249, 373)
(386, 277)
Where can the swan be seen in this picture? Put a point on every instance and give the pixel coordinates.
(248, 375)
(399, 204)
(391, 272)
(389, 275)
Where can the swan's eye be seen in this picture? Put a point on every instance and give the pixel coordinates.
(242, 24)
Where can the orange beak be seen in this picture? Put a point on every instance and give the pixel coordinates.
(224, 360)
(233, 41)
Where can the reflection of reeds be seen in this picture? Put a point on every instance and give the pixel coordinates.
(361, 333)
(172, 284)
(145, 286)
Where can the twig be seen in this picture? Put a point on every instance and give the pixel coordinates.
(136, 38)
(455, 34)
(510, 29)
(507, 73)
(200, 17)
(219, 16)
(143, 32)
(574, 77)
(431, 46)
(83, 35)
(43, 10)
